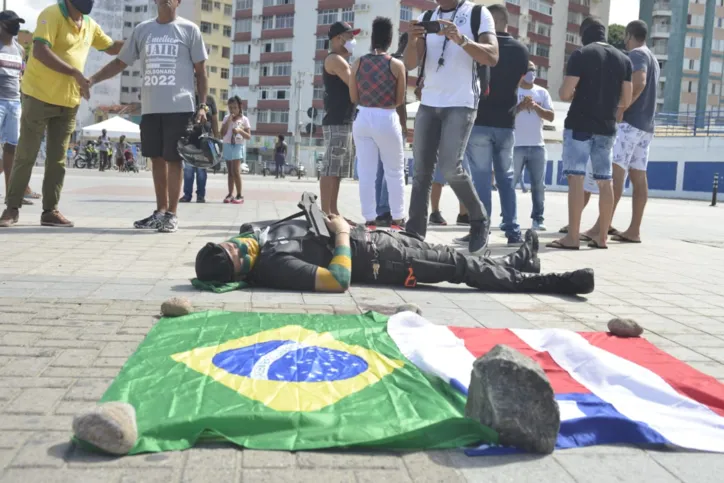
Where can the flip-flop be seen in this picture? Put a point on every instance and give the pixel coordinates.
(564, 229)
(613, 231)
(618, 237)
(584, 237)
(556, 245)
(594, 244)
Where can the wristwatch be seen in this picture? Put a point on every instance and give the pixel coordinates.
(204, 107)
(465, 41)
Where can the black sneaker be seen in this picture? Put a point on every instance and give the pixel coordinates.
(515, 240)
(462, 240)
(437, 219)
(183, 199)
(463, 220)
(384, 220)
(200, 200)
(153, 222)
(169, 224)
(479, 233)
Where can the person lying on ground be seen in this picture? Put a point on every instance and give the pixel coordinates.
(287, 255)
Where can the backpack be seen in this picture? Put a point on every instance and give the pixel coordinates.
(483, 70)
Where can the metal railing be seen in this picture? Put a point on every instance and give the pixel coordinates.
(690, 124)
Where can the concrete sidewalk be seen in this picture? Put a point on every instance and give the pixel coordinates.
(74, 304)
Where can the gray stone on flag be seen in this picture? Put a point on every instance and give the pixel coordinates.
(625, 327)
(511, 394)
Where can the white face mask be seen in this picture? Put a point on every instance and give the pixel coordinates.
(529, 77)
(349, 45)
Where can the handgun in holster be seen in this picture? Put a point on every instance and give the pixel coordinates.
(313, 214)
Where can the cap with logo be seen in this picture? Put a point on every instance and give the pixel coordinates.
(10, 16)
(339, 28)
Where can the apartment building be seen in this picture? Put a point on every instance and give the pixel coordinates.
(550, 30)
(279, 50)
(687, 37)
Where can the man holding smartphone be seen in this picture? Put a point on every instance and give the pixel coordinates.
(448, 109)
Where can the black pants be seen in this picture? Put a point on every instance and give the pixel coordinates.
(405, 260)
(105, 161)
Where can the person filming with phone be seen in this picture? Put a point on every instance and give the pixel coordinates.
(448, 43)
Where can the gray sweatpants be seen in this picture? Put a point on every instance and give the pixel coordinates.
(441, 134)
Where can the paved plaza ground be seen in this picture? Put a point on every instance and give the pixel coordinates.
(75, 303)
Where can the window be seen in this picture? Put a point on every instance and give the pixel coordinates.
(227, 30)
(405, 13)
(326, 17)
(213, 69)
(243, 25)
(268, 23)
(694, 42)
(217, 5)
(226, 52)
(262, 117)
(543, 29)
(242, 48)
(274, 93)
(243, 4)
(134, 89)
(318, 67)
(217, 26)
(318, 93)
(282, 46)
(214, 48)
(690, 86)
(279, 117)
(323, 43)
(124, 89)
(206, 5)
(541, 50)
(224, 95)
(127, 24)
(347, 15)
(136, 73)
(272, 3)
(212, 91)
(283, 69)
(224, 73)
(206, 27)
(125, 73)
(228, 10)
(128, 9)
(541, 6)
(542, 72)
(285, 21)
(575, 17)
(241, 70)
(573, 38)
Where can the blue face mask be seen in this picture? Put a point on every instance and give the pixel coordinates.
(83, 6)
(529, 77)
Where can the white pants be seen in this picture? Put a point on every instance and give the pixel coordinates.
(378, 136)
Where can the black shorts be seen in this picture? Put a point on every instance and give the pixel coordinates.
(160, 134)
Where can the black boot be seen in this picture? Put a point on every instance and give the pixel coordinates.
(579, 282)
(525, 259)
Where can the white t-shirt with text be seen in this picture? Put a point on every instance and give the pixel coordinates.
(242, 122)
(528, 124)
(456, 83)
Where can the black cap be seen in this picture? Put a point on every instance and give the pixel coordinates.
(213, 264)
(339, 28)
(10, 16)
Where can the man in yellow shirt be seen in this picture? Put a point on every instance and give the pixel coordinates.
(52, 87)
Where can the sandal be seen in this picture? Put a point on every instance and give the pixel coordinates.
(618, 237)
(594, 244)
(557, 245)
(228, 199)
(33, 195)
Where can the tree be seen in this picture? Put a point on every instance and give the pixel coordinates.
(616, 34)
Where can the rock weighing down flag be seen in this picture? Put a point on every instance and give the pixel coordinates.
(296, 382)
(609, 390)
(286, 382)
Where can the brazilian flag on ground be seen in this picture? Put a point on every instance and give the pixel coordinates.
(286, 382)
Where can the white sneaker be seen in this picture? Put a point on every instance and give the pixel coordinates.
(538, 226)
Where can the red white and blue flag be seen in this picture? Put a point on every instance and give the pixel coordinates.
(610, 390)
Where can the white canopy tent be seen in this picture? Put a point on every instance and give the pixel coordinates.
(115, 127)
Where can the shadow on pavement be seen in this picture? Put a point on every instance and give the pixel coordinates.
(77, 229)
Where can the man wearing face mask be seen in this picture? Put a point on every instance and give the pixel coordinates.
(11, 64)
(338, 114)
(52, 86)
(451, 89)
(534, 106)
(598, 84)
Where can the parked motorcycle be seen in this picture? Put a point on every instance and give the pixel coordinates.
(88, 157)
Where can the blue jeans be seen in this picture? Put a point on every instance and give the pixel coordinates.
(381, 194)
(189, 172)
(534, 159)
(492, 148)
(578, 147)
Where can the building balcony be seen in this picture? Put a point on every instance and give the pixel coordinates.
(579, 7)
(240, 81)
(240, 59)
(247, 13)
(274, 104)
(275, 57)
(540, 17)
(263, 129)
(421, 4)
(275, 80)
(540, 61)
(278, 10)
(333, 4)
(277, 33)
(539, 39)
(242, 36)
(318, 103)
(513, 7)
(320, 54)
(661, 31)
(662, 8)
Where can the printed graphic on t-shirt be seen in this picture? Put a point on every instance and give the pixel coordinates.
(10, 65)
(160, 61)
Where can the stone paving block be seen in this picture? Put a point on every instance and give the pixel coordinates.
(382, 476)
(48, 475)
(688, 355)
(619, 468)
(314, 459)
(432, 467)
(70, 344)
(19, 383)
(511, 469)
(79, 458)
(81, 372)
(88, 390)
(141, 322)
(13, 439)
(715, 353)
(267, 459)
(19, 338)
(500, 319)
(119, 349)
(44, 450)
(75, 358)
(73, 408)
(212, 463)
(29, 422)
(35, 401)
(692, 467)
(110, 362)
(25, 366)
(14, 318)
(138, 475)
(298, 476)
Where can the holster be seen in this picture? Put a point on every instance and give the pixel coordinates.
(423, 271)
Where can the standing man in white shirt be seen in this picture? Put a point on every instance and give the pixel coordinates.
(534, 107)
(450, 96)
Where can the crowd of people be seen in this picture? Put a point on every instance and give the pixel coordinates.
(481, 135)
(476, 135)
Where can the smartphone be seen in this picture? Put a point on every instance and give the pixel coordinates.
(431, 27)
